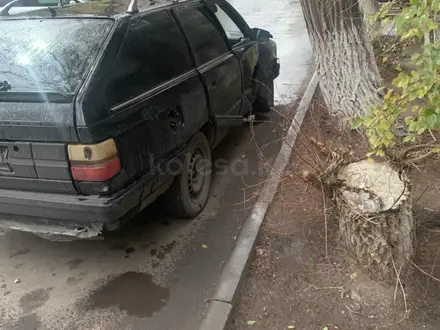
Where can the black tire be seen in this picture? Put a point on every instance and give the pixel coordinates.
(264, 99)
(189, 193)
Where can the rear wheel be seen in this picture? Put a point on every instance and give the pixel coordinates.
(189, 192)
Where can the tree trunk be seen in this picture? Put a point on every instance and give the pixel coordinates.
(370, 8)
(376, 221)
(345, 62)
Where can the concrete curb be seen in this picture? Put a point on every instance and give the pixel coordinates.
(220, 305)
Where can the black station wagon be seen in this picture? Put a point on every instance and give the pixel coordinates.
(105, 107)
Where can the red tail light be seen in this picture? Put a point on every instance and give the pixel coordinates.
(94, 163)
(97, 172)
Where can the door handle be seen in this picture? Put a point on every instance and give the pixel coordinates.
(214, 84)
(174, 118)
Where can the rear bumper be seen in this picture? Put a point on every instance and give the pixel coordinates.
(71, 215)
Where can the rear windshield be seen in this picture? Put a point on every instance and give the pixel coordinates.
(49, 55)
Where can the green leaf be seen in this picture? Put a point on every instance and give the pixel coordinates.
(431, 120)
(356, 123)
(417, 91)
(384, 125)
(428, 112)
(380, 153)
(431, 25)
(408, 34)
(251, 322)
(416, 56)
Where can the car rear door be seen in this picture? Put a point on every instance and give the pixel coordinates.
(152, 96)
(243, 45)
(216, 63)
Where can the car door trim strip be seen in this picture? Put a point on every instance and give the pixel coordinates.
(155, 90)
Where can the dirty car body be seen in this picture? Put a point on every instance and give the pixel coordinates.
(98, 102)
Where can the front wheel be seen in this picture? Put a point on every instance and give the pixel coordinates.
(189, 192)
(264, 101)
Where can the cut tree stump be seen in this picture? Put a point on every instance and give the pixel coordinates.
(376, 221)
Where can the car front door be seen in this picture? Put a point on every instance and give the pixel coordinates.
(242, 43)
(215, 62)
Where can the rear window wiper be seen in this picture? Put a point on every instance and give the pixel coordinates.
(5, 86)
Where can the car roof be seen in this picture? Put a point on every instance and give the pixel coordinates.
(99, 8)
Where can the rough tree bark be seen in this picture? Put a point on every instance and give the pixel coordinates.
(376, 221)
(345, 62)
(370, 8)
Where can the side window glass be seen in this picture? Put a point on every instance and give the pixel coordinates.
(232, 31)
(204, 37)
(153, 52)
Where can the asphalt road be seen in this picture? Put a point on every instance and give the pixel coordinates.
(158, 272)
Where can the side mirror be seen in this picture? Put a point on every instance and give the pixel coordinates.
(212, 8)
(262, 34)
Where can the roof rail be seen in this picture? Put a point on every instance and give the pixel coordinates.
(4, 11)
(133, 7)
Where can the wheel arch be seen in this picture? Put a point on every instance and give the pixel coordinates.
(209, 130)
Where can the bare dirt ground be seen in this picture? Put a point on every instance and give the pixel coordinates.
(293, 283)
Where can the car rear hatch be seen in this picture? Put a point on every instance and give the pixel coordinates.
(43, 63)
